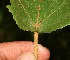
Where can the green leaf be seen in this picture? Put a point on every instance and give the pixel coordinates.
(40, 15)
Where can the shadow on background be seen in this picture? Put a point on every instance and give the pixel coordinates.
(58, 42)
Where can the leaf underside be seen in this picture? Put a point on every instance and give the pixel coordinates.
(40, 15)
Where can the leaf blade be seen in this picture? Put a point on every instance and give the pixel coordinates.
(39, 15)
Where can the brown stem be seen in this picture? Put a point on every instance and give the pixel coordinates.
(35, 44)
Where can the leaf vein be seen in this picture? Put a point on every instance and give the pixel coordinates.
(52, 13)
(27, 13)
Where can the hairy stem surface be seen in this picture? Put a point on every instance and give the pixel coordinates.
(36, 44)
